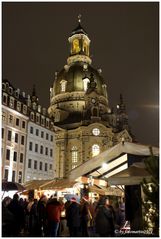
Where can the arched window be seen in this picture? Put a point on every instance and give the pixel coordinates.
(63, 85)
(74, 156)
(76, 47)
(95, 149)
(57, 116)
(85, 47)
(85, 82)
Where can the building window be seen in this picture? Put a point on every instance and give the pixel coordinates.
(36, 148)
(3, 116)
(13, 176)
(25, 109)
(96, 131)
(63, 85)
(35, 164)
(42, 134)
(8, 154)
(10, 90)
(20, 177)
(6, 174)
(51, 166)
(47, 123)
(3, 86)
(9, 135)
(30, 146)
(46, 151)
(37, 118)
(31, 130)
(23, 124)
(32, 116)
(17, 121)
(11, 104)
(10, 119)
(29, 163)
(2, 133)
(51, 153)
(51, 138)
(41, 149)
(85, 83)
(16, 138)
(47, 136)
(95, 150)
(74, 156)
(21, 157)
(15, 156)
(37, 132)
(42, 121)
(22, 140)
(40, 166)
(46, 167)
(4, 99)
(18, 106)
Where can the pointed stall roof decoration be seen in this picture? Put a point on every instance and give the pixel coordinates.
(79, 28)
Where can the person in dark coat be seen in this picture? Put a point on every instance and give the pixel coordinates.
(41, 214)
(8, 219)
(73, 218)
(33, 219)
(17, 210)
(104, 220)
(85, 216)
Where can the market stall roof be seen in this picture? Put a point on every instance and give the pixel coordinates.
(36, 184)
(49, 184)
(59, 184)
(130, 176)
(111, 161)
(110, 191)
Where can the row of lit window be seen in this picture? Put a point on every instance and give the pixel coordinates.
(14, 104)
(39, 119)
(41, 149)
(74, 151)
(15, 156)
(6, 173)
(16, 138)
(35, 166)
(42, 134)
(17, 120)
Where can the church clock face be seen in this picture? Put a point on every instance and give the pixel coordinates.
(96, 131)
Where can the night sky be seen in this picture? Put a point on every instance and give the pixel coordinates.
(124, 44)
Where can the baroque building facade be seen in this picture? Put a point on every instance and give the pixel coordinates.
(79, 106)
(24, 121)
(40, 143)
(14, 133)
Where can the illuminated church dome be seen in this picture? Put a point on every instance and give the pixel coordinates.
(71, 85)
(80, 109)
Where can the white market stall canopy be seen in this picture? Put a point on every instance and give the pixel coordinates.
(130, 176)
(111, 161)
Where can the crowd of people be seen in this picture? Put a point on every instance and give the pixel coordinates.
(53, 218)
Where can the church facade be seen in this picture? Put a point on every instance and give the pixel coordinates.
(79, 106)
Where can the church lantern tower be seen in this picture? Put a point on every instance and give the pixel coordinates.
(79, 107)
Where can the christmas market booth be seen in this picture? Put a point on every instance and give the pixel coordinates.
(124, 166)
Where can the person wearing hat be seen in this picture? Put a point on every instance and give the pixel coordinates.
(73, 218)
(104, 220)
